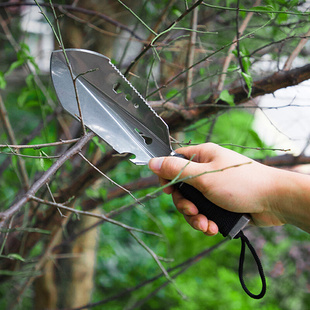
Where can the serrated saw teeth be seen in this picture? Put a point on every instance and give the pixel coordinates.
(110, 105)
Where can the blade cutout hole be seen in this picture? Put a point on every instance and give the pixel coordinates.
(116, 88)
(147, 139)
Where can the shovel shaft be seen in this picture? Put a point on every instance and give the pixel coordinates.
(229, 223)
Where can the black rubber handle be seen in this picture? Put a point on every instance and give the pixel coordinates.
(229, 223)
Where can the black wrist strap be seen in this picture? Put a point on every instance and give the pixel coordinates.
(245, 241)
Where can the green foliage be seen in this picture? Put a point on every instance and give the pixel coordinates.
(227, 97)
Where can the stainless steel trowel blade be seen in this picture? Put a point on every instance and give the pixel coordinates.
(111, 107)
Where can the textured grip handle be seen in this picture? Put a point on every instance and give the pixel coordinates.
(229, 223)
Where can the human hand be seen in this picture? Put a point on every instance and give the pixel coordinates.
(237, 184)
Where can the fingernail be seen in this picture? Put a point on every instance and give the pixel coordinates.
(156, 163)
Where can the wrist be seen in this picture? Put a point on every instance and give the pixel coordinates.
(292, 198)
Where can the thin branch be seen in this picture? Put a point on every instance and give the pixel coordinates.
(108, 178)
(53, 199)
(96, 215)
(182, 266)
(151, 44)
(172, 79)
(58, 36)
(257, 11)
(205, 172)
(17, 154)
(38, 146)
(155, 257)
(266, 85)
(13, 209)
(137, 17)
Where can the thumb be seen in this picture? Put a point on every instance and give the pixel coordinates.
(170, 167)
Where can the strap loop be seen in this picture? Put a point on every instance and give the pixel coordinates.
(245, 241)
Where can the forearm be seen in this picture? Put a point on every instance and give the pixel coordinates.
(292, 198)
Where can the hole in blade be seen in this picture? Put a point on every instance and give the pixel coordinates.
(136, 105)
(116, 88)
(147, 139)
(126, 155)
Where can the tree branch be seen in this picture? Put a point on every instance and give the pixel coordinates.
(266, 85)
(5, 215)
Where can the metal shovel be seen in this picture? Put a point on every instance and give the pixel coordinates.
(113, 109)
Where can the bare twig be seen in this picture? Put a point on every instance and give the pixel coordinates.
(151, 44)
(5, 215)
(53, 199)
(172, 79)
(155, 257)
(38, 146)
(108, 178)
(182, 266)
(17, 154)
(256, 10)
(266, 85)
(86, 213)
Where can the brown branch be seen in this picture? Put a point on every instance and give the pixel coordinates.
(108, 178)
(38, 146)
(266, 85)
(190, 57)
(96, 215)
(286, 160)
(13, 209)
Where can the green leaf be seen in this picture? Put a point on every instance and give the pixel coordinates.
(45, 162)
(14, 65)
(249, 82)
(2, 80)
(227, 97)
(99, 145)
(16, 257)
(232, 68)
(171, 93)
(176, 12)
